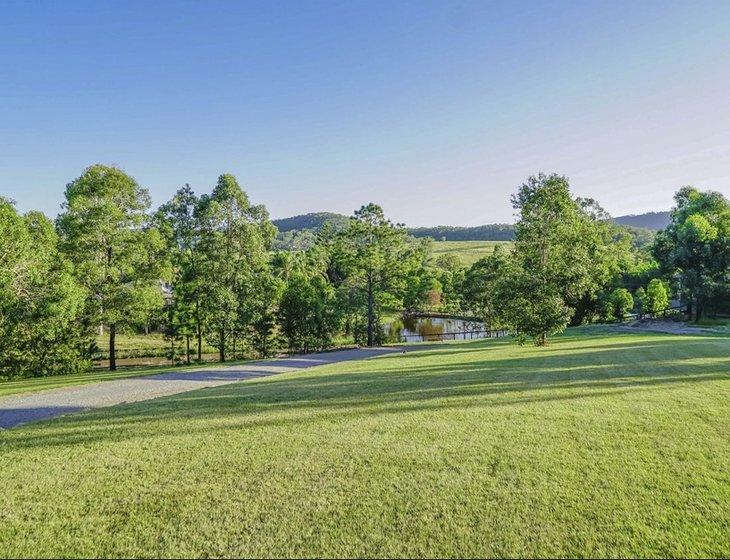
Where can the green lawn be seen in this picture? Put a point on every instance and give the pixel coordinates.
(468, 252)
(603, 444)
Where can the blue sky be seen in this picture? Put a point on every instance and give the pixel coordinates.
(437, 111)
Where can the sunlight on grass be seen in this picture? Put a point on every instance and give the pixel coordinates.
(603, 444)
(468, 252)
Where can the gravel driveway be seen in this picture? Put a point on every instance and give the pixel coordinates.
(20, 409)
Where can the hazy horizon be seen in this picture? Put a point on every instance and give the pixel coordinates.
(435, 111)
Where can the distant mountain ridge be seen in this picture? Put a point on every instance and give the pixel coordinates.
(489, 232)
(648, 220)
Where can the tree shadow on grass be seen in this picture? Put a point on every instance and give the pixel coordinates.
(397, 384)
(11, 417)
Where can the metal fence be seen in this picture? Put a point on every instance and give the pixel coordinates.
(456, 335)
(668, 312)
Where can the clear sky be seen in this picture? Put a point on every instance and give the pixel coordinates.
(436, 111)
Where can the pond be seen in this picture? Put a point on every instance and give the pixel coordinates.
(415, 329)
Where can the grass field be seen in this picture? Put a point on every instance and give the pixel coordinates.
(139, 342)
(468, 252)
(603, 444)
(152, 344)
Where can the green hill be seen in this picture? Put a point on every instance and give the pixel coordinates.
(489, 232)
(648, 220)
(314, 220)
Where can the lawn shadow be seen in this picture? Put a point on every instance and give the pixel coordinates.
(403, 383)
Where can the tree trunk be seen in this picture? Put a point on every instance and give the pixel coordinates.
(199, 331)
(370, 311)
(222, 346)
(112, 347)
(700, 309)
(187, 348)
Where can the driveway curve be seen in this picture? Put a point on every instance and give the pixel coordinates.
(21, 409)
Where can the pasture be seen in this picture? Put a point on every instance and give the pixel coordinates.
(468, 252)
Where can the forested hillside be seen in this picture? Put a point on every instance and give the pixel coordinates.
(315, 220)
(488, 232)
(649, 220)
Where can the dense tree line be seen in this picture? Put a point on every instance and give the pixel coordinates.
(205, 270)
(572, 265)
(298, 232)
(313, 221)
(489, 232)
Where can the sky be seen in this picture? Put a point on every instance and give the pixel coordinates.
(437, 111)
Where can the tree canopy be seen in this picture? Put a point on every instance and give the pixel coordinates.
(694, 249)
(207, 270)
(105, 232)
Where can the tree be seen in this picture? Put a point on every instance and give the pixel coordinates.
(423, 290)
(695, 248)
(41, 326)
(608, 253)
(451, 282)
(479, 285)
(308, 311)
(265, 298)
(641, 300)
(554, 272)
(656, 297)
(235, 240)
(105, 233)
(621, 303)
(377, 259)
(528, 306)
(179, 222)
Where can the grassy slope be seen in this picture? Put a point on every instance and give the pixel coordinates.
(468, 251)
(602, 444)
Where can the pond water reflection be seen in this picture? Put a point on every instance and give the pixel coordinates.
(414, 329)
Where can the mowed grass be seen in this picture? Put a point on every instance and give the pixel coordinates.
(603, 444)
(468, 252)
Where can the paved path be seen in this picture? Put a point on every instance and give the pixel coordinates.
(20, 409)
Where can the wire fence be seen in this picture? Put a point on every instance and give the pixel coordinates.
(669, 312)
